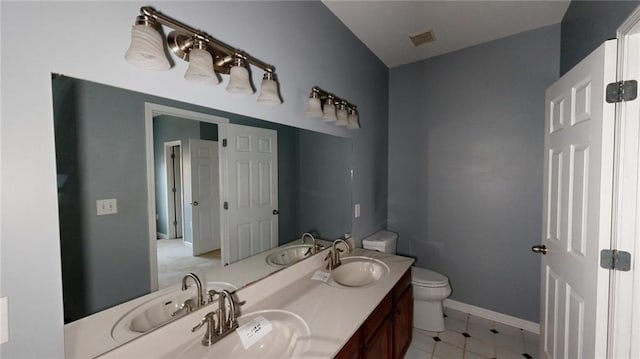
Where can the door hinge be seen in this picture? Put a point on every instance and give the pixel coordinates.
(173, 156)
(225, 205)
(614, 259)
(173, 190)
(224, 142)
(622, 91)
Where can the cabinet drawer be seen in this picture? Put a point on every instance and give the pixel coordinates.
(381, 312)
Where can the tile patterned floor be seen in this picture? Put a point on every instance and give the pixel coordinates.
(471, 337)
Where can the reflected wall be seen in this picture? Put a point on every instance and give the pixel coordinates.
(100, 154)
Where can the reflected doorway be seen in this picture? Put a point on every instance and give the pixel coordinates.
(184, 171)
(173, 164)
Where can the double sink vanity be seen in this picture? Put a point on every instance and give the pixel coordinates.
(360, 308)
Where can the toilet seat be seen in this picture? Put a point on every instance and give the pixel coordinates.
(427, 278)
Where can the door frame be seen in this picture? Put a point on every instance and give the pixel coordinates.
(150, 111)
(624, 319)
(170, 171)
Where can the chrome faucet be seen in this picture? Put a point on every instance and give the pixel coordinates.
(199, 299)
(336, 251)
(232, 321)
(219, 323)
(314, 244)
(330, 258)
(210, 336)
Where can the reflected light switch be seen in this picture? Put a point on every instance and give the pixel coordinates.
(107, 206)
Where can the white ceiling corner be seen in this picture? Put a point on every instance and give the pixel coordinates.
(384, 26)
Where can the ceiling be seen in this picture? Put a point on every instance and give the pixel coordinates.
(385, 26)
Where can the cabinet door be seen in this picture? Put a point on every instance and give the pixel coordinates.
(351, 350)
(380, 346)
(403, 323)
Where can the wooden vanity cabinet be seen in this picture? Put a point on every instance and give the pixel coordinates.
(403, 323)
(386, 334)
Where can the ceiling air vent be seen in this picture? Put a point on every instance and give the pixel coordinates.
(422, 37)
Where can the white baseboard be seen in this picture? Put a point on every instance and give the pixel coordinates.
(161, 236)
(494, 316)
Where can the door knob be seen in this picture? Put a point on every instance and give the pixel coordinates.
(275, 211)
(540, 248)
(195, 203)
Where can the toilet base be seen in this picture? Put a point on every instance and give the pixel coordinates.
(428, 315)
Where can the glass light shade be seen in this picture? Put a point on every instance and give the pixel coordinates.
(269, 92)
(354, 121)
(329, 113)
(146, 50)
(239, 81)
(200, 68)
(342, 117)
(314, 108)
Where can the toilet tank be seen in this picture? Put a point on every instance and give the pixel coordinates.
(382, 241)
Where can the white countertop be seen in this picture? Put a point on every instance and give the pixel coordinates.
(332, 313)
(91, 336)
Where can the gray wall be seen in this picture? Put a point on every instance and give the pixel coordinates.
(297, 37)
(587, 24)
(101, 155)
(324, 167)
(465, 166)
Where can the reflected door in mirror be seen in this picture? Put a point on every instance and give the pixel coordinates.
(253, 191)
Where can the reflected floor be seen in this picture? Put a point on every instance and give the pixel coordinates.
(175, 259)
(471, 337)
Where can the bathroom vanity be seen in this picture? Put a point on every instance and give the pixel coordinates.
(387, 331)
(311, 316)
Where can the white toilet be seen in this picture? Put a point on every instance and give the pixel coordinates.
(429, 288)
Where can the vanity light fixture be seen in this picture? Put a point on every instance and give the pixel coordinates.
(353, 119)
(342, 114)
(269, 89)
(314, 107)
(146, 49)
(200, 68)
(330, 108)
(207, 56)
(239, 78)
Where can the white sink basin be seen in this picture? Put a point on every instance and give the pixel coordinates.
(359, 271)
(158, 311)
(289, 255)
(289, 338)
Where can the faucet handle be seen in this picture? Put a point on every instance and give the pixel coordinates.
(209, 318)
(330, 258)
(211, 294)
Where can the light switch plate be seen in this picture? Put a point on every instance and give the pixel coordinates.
(107, 206)
(4, 320)
(357, 210)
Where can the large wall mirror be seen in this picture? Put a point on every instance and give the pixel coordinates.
(113, 145)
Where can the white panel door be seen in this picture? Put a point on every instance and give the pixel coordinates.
(205, 195)
(579, 130)
(252, 157)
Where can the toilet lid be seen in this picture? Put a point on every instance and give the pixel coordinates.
(428, 278)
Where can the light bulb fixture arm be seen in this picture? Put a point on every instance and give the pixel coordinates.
(323, 95)
(210, 40)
